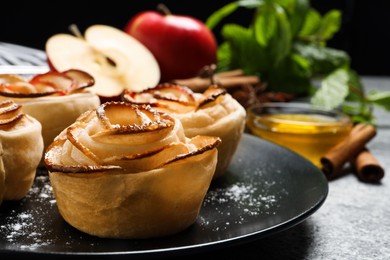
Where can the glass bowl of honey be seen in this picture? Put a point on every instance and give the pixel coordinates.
(307, 130)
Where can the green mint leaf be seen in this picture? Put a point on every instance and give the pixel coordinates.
(330, 24)
(296, 11)
(356, 89)
(280, 44)
(323, 60)
(251, 3)
(381, 99)
(303, 63)
(245, 52)
(311, 24)
(264, 26)
(224, 56)
(333, 90)
(290, 76)
(215, 18)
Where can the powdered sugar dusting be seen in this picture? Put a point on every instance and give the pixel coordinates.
(25, 227)
(250, 199)
(243, 195)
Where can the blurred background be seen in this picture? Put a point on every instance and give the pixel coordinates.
(364, 33)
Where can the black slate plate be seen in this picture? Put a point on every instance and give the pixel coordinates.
(266, 189)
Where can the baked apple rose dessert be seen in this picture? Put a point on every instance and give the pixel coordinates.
(213, 112)
(55, 99)
(21, 148)
(128, 171)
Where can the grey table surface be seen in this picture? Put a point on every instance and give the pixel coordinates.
(352, 223)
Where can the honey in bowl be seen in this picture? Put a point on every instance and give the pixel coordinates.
(309, 131)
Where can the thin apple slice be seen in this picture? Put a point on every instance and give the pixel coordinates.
(16, 86)
(10, 114)
(62, 83)
(20, 87)
(164, 96)
(18, 90)
(10, 78)
(81, 78)
(211, 94)
(114, 59)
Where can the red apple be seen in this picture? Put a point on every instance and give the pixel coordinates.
(182, 45)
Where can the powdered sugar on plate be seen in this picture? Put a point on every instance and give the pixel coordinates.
(240, 201)
(24, 226)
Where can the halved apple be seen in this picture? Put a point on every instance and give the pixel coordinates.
(116, 60)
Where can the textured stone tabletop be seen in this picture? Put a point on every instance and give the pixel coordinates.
(353, 222)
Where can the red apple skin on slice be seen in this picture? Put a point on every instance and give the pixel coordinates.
(116, 60)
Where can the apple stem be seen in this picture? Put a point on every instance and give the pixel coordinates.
(75, 30)
(208, 71)
(163, 9)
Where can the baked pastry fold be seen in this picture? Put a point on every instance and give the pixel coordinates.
(21, 148)
(213, 112)
(55, 99)
(126, 171)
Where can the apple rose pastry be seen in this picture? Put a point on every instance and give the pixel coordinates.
(21, 148)
(213, 112)
(55, 99)
(127, 171)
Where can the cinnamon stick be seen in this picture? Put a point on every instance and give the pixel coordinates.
(225, 79)
(367, 167)
(230, 73)
(334, 160)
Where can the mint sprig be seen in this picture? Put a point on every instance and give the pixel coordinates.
(286, 46)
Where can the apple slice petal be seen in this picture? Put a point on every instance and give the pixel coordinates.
(9, 108)
(82, 79)
(60, 81)
(26, 90)
(202, 143)
(120, 116)
(10, 78)
(210, 95)
(16, 86)
(165, 96)
(46, 88)
(10, 114)
(174, 92)
(53, 163)
(152, 160)
(72, 134)
(20, 87)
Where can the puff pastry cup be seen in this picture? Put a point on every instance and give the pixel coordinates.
(21, 148)
(55, 99)
(213, 112)
(126, 171)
